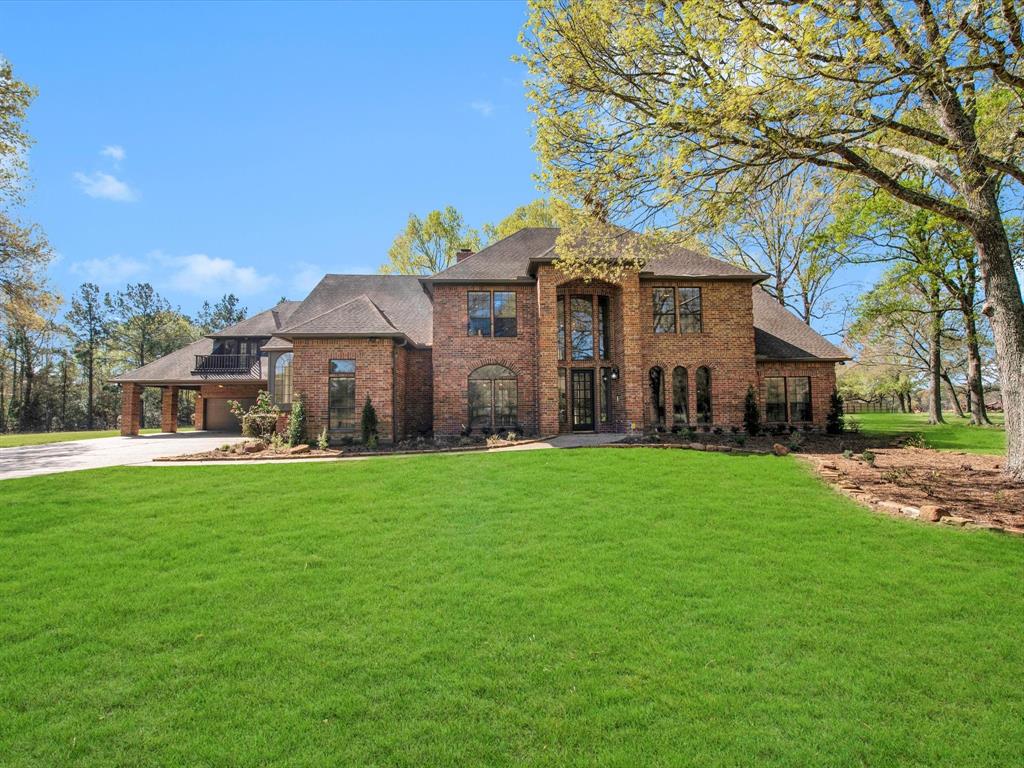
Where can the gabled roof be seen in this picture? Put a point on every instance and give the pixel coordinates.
(389, 305)
(781, 335)
(266, 323)
(358, 317)
(513, 258)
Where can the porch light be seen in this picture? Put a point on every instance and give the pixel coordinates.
(615, 373)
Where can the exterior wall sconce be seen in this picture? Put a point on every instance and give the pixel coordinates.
(615, 373)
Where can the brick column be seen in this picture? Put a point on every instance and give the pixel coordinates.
(633, 378)
(169, 409)
(131, 408)
(547, 351)
(197, 419)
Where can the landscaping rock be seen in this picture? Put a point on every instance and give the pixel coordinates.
(697, 446)
(910, 511)
(780, 450)
(300, 448)
(252, 447)
(891, 506)
(932, 513)
(829, 465)
(954, 520)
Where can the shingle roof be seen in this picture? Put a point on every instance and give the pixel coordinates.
(358, 317)
(781, 335)
(277, 344)
(400, 301)
(510, 259)
(263, 324)
(176, 368)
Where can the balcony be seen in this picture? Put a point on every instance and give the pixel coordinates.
(247, 366)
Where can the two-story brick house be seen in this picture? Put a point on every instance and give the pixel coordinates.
(502, 340)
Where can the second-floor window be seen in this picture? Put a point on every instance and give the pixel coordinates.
(581, 316)
(491, 313)
(677, 309)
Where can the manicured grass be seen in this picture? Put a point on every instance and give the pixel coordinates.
(585, 607)
(39, 438)
(955, 435)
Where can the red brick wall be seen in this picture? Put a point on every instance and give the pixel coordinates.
(415, 390)
(823, 381)
(375, 370)
(725, 345)
(168, 409)
(456, 355)
(131, 409)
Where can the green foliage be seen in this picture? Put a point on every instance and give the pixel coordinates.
(222, 314)
(323, 442)
(428, 245)
(393, 575)
(260, 420)
(539, 213)
(751, 413)
(297, 422)
(368, 423)
(834, 419)
(869, 458)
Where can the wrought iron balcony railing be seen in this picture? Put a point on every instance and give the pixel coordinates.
(220, 365)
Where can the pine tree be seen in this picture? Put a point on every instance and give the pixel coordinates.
(751, 413)
(369, 423)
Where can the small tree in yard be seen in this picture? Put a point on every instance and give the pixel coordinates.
(260, 421)
(834, 420)
(369, 423)
(751, 413)
(297, 423)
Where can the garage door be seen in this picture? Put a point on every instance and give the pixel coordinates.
(218, 417)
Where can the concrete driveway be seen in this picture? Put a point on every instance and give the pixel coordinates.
(104, 452)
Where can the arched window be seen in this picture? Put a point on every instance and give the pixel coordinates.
(493, 398)
(657, 397)
(680, 395)
(703, 395)
(283, 379)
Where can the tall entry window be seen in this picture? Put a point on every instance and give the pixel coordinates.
(581, 309)
(703, 395)
(680, 395)
(560, 309)
(341, 395)
(493, 398)
(283, 379)
(604, 328)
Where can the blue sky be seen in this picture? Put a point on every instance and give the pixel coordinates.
(207, 148)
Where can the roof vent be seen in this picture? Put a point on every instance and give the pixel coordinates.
(462, 253)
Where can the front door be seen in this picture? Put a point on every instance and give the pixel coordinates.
(582, 400)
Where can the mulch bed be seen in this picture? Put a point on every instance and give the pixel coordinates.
(953, 488)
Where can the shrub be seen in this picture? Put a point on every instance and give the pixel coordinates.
(751, 413)
(261, 426)
(869, 458)
(369, 423)
(322, 442)
(834, 421)
(297, 423)
(847, 454)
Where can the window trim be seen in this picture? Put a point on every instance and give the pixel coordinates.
(275, 396)
(700, 308)
(492, 314)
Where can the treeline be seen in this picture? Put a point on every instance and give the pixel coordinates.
(55, 370)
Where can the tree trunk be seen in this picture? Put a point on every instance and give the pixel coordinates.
(935, 361)
(90, 406)
(954, 395)
(1005, 310)
(975, 386)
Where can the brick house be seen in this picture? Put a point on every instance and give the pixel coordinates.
(501, 340)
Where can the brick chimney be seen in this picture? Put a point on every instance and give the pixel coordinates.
(462, 253)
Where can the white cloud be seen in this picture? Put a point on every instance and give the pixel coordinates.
(109, 271)
(114, 151)
(200, 274)
(484, 108)
(105, 186)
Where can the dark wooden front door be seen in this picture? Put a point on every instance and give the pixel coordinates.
(582, 400)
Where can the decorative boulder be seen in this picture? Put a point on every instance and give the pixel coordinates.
(297, 449)
(780, 450)
(932, 513)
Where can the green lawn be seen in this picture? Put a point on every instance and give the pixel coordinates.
(955, 435)
(38, 438)
(585, 607)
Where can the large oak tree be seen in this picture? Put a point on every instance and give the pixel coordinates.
(669, 113)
